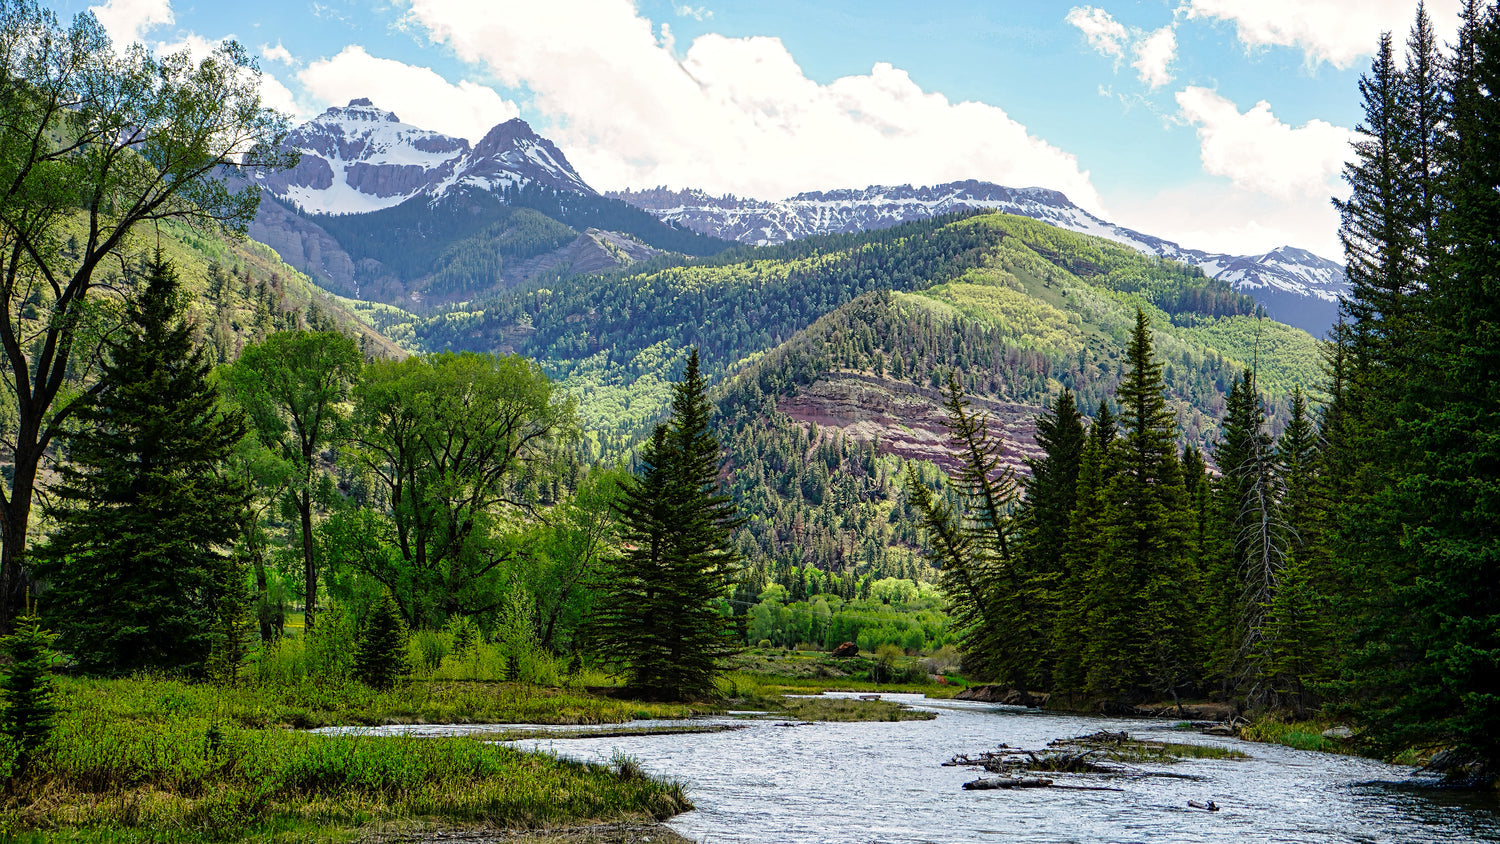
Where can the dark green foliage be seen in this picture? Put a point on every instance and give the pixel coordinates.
(145, 504)
(380, 649)
(28, 706)
(661, 616)
(464, 241)
(1140, 629)
(105, 141)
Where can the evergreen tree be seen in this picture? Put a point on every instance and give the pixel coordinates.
(380, 652)
(1439, 621)
(1141, 623)
(145, 507)
(659, 615)
(1076, 600)
(1051, 496)
(28, 707)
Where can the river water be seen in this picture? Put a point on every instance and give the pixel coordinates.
(884, 782)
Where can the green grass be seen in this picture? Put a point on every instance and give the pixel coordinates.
(1302, 735)
(323, 703)
(153, 759)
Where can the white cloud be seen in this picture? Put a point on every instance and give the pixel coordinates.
(277, 53)
(735, 114)
(1333, 31)
(126, 20)
(418, 95)
(1154, 55)
(1220, 217)
(1105, 34)
(701, 13)
(1154, 51)
(274, 94)
(1260, 153)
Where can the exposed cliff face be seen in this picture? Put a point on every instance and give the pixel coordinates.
(308, 247)
(904, 419)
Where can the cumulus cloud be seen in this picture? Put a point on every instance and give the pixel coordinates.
(1260, 153)
(1333, 31)
(1154, 51)
(1105, 34)
(126, 20)
(277, 53)
(418, 95)
(734, 114)
(1154, 55)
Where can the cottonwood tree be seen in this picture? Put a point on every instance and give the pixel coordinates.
(94, 146)
(448, 439)
(294, 387)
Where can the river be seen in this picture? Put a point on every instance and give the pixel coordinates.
(884, 782)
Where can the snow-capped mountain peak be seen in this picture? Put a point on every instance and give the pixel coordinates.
(362, 158)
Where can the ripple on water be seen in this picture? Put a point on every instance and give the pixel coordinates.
(883, 782)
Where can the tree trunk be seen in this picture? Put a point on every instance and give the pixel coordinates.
(14, 579)
(309, 569)
(268, 631)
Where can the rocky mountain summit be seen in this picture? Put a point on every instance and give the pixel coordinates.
(1296, 286)
(361, 158)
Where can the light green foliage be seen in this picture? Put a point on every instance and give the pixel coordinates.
(121, 140)
(442, 440)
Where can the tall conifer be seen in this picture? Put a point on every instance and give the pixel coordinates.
(1141, 640)
(659, 616)
(146, 508)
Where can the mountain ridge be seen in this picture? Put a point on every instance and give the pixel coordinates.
(1295, 285)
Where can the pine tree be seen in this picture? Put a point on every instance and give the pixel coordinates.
(28, 706)
(1141, 636)
(380, 652)
(145, 507)
(659, 615)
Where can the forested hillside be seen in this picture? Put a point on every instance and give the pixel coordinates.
(1004, 281)
(830, 354)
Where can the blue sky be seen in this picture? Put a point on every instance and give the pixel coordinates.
(1221, 124)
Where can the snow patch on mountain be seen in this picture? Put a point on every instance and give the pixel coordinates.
(1283, 276)
(361, 158)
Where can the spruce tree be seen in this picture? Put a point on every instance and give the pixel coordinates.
(1051, 495)
(1440, 624)
(659, 615)
(1076, 598)
(1141, 626)
(380, 652)
(28, 706)
(145, 507)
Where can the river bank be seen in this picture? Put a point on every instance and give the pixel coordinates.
(156, 759)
